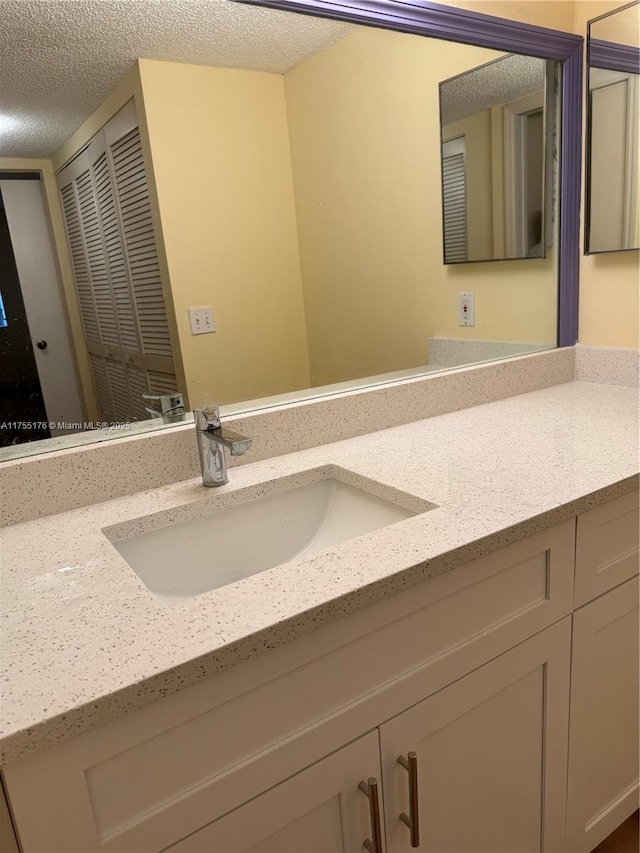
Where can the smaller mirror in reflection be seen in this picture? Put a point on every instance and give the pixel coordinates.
(613, 174)
(497, 155)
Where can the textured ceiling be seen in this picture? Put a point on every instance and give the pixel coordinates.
(497, 83)
(60, 58)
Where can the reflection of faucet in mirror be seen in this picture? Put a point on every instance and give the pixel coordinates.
(171, 407)
(212, 439)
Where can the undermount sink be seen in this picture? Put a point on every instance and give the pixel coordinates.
(185, 559)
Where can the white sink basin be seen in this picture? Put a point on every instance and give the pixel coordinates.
(189, 558)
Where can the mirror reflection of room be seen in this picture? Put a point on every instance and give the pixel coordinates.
(497, 159)
(246, 235)
(39, 391)
(613, 132)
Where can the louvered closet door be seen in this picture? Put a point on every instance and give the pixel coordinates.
(122, 139)
(106, 204)
(454, 200)
(90, 273)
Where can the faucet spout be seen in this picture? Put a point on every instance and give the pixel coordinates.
(212, 440)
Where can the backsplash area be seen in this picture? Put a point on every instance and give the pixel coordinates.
(457, 352)
(63, 480)
(607, 365)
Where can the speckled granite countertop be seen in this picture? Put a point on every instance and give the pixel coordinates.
(83, 640)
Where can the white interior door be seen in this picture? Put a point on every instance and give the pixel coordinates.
(517, 164)
(31, 241)
(614, 174)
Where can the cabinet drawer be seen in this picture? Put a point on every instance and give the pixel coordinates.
(148, 779)
(606, 547)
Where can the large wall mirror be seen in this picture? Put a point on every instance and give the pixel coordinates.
(612, 214)
(291, 170)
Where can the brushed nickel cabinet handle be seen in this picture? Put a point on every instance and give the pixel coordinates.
(410, 764)
(370, 790)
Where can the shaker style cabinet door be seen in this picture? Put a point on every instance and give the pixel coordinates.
(491, 756)
(318, 810)
(603, 746)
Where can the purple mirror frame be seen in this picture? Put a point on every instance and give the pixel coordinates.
(612, 56)
(459, 25)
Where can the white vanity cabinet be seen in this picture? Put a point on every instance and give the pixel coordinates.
(318, 810)
(603, 755)
(469, 670)
(481, 747)
(185, 765)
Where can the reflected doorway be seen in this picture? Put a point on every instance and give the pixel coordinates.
(38, 386)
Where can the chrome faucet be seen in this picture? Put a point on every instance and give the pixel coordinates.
(212, 439)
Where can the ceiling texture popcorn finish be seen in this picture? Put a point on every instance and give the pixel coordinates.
(480, 89)
(61, 59)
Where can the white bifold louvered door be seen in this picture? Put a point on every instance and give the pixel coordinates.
(105, 200)
(454, 200)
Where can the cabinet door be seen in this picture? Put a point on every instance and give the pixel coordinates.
(603, 749)
(491, 755)
(319, 809)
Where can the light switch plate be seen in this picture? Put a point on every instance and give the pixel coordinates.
(201, 321)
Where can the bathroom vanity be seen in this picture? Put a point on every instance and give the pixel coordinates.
(460, 673)
(465, 679)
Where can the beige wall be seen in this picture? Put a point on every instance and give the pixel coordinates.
(610, 282)
(369, 217)
(556, 14)
(220, 156)
(63, 263)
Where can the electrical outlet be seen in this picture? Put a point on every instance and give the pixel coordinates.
(201, 321)
(466, 309)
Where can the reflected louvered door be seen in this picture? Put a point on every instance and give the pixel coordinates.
(124, 149)
(454, 200)
(80, 214)
(79, 261)
(106, 206)
(102, 388)
(126, 351)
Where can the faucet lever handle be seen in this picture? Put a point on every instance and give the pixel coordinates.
(207, 417)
